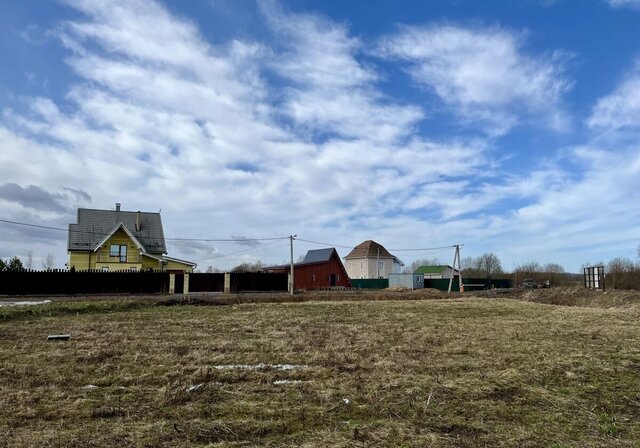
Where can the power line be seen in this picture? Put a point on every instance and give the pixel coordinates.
(207, 240)
(424, 249)
(219, 240)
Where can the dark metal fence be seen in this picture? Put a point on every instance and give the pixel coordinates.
(84, 282)
(206, 282)
(15, 283)
(258, 281)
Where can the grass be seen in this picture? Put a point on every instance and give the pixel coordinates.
(444, 373)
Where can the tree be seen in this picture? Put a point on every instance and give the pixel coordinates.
(622, 273)
(212, 270)
(249, 267)
(15, 265)
(555, 273)
(489, 265)
(421, 262)
(29, 263)
(3, 265)
(530, 269)
(49, 262)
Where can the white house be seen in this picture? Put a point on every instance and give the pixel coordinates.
(371, 260)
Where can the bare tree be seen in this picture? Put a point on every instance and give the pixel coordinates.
(530, 269)
(49, 262)
(489, 265)
(29, 263)
(555, 273)
(623, 273)
(421, 262)
(212, 270)
(249, 267)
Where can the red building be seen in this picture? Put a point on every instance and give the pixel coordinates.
(321, 268)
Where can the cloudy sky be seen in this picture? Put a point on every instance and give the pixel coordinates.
(509, 127)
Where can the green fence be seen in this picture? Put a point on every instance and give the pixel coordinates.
(370, 283)
(442, 284)
(470, 284)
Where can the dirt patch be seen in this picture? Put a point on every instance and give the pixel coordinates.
(579, 296)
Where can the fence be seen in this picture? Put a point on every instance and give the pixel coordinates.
(15, 283)
(370, 283)
(206, 282)
(84, 282)
(258, 281)
(470, 284)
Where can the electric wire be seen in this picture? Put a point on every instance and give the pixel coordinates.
(206, 240)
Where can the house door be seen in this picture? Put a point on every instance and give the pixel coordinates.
(332, 279)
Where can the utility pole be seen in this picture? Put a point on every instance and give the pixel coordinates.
(291, 278)
(456, 257)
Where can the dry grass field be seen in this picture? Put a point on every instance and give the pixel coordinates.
(435, 372)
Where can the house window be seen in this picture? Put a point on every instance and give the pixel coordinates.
(418, 279)
(119, 251)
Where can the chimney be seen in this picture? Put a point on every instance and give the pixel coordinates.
(117, 206)
(138, 221)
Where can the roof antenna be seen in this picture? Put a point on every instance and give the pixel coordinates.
(160, 211)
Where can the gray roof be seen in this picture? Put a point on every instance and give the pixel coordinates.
(94, 225)
(318, 255)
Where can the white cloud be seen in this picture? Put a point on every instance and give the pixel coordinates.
(484, 73)
(621, 108)
(160, 118)
(330, 89)
(634, 4)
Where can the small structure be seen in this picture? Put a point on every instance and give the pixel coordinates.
(594, 277)
(437, 271)
(117, 240)
(320, 269)
(371, 260)
(411, 281)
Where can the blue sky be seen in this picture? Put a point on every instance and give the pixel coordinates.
(509, 127)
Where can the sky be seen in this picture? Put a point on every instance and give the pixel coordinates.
(507, 127)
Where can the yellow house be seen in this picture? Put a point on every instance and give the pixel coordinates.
(117, 240)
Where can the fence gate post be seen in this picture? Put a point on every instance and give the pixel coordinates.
(172, 283)
(185, 288)
(227, 283)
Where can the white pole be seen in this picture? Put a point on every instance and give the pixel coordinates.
(453, 266)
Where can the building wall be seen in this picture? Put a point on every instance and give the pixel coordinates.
(84, 260)
(368, 267)
(151, 263)
(80, 260)
(318, 275)
(175, 265)
(411, 281)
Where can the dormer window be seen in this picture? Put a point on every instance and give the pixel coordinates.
(119, 251)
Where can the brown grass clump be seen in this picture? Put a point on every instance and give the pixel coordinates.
(444, 373)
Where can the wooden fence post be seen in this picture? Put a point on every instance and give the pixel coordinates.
(185, 289)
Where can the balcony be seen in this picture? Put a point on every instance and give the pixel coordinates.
(131, 258)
